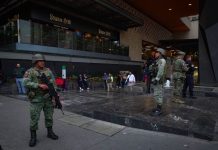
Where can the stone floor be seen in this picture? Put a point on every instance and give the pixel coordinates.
(196, 118)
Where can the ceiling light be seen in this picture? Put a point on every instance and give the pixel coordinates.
(190, 4)
(170, 9)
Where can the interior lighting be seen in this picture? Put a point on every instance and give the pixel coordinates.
(170, 9)
(190, 4)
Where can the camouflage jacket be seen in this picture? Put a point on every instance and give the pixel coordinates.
(159, 69)
(179, 69)
(32, 81)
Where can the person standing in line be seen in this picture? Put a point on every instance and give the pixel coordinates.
(130, 80)
(18, 73)
(189, 79)
(110, 81)
(179, 70)
(39, 97)
(158, 76)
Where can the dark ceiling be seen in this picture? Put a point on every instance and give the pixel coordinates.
(159, 11)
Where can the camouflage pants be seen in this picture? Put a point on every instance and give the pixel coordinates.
(178, 86)
(35, 110)
(158, 93)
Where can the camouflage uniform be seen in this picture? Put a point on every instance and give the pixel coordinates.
(39, 99)
(179, 69)
(160, 71)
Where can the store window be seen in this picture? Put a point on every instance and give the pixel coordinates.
(36, 34)
(25, 31)
(49, 36)
(65, 38)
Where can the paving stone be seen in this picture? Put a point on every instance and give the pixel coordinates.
(76, 120)
(103, 127)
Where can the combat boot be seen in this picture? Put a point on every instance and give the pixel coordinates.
(157, 111)
(32, 142)
(51, 134)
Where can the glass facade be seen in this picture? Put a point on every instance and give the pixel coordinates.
(8, 33)
(56, 36)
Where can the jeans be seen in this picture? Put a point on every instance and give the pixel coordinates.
(20, 86)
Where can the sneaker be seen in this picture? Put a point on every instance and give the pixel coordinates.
(156, 112)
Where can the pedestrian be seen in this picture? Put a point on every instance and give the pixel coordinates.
(18, 74)
(157, 75)
(189, 79)
(118, 81)
(130, 81)
(105, 77)
(39, 97)
(145, 72)
(179, 70)
(123, 78)
(80, 82)
(110, 81)
(85, 82)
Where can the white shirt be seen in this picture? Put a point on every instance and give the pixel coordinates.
(131, 79)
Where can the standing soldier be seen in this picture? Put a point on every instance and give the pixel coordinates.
(179, 69)
(39, 97)
(158, 74)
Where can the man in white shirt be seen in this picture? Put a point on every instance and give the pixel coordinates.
(130, 80)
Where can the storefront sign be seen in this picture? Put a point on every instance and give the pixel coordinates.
(102, 32)
(60, 19)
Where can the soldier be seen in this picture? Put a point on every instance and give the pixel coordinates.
(179, 69)
(39, 97)
(158, 74)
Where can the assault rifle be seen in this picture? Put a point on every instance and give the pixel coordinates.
(51, 91)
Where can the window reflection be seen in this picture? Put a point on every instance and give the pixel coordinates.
(56, 36)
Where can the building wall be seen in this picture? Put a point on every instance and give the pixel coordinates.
(208, 45)
(150, 31)
(191, 34)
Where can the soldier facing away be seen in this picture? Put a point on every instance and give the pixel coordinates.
(39, 97)
(157, 70)
(179, 69)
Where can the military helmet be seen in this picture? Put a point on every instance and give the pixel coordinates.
(161, 50)
(180, 53)
(37, 57)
